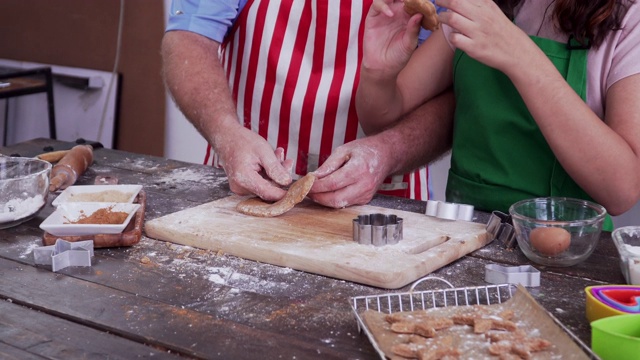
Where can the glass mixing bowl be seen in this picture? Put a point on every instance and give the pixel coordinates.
(627, 240)
(557, 231)
(24, 186)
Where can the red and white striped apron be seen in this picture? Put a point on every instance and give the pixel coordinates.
(294, 80)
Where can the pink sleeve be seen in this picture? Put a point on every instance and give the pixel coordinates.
(625, 48)
(446, 31)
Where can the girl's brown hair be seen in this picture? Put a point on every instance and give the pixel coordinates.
(588, 21)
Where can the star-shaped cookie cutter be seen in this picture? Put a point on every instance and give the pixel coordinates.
(64, 254)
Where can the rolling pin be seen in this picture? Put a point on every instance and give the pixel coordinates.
(53, 156)
(73, 164)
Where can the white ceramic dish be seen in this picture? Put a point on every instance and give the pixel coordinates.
(98, 193)
(59, 222)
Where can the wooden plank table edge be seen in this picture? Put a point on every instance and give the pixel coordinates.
(140, 319)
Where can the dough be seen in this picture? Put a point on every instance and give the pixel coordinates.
(427, 9)
(296, 193)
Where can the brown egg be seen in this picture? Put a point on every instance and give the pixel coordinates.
(550, 241)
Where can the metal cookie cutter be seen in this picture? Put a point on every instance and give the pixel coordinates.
(500, 227)
(64, 254)
(377, 229)
(449, 211)
(525, 275)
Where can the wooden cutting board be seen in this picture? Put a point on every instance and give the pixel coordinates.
(319, 240)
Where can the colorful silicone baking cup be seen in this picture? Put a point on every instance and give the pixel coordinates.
(608, 300)
(616, 337)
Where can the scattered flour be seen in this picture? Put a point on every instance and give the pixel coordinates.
(243, 290)
(187, 262)
(29, 250)
(179, 176)
(227, 276)
(138, 163)
(145, 164)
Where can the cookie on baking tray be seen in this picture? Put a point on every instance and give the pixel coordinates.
(457, 332)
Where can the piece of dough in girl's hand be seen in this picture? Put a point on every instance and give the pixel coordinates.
(427, 9)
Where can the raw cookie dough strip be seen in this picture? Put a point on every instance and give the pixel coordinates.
(296, 193)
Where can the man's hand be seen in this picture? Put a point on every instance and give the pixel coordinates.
(354, 171)
(252, 166)
(195, 77)
(352, 174)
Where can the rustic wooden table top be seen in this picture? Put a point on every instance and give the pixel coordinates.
(161, 300)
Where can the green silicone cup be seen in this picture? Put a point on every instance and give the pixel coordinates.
(616, 337)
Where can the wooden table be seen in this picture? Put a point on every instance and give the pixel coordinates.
(162, 300)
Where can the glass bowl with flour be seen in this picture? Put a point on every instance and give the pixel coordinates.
(24, 186)
(627, 241)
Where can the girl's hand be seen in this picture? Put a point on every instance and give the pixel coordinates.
(482, 30)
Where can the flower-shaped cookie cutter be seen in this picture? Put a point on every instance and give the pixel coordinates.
(377, 229)
(449, 211)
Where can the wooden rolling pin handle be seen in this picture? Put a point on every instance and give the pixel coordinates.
(73, 164)
(53, 156)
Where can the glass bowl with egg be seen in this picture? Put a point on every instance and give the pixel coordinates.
(627, 240)
(557, 231)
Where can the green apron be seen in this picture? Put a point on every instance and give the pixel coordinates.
(515, 162)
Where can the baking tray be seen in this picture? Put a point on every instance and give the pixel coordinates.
(511, 296)
(131, 234)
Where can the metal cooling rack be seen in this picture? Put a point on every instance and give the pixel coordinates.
(429, 299)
